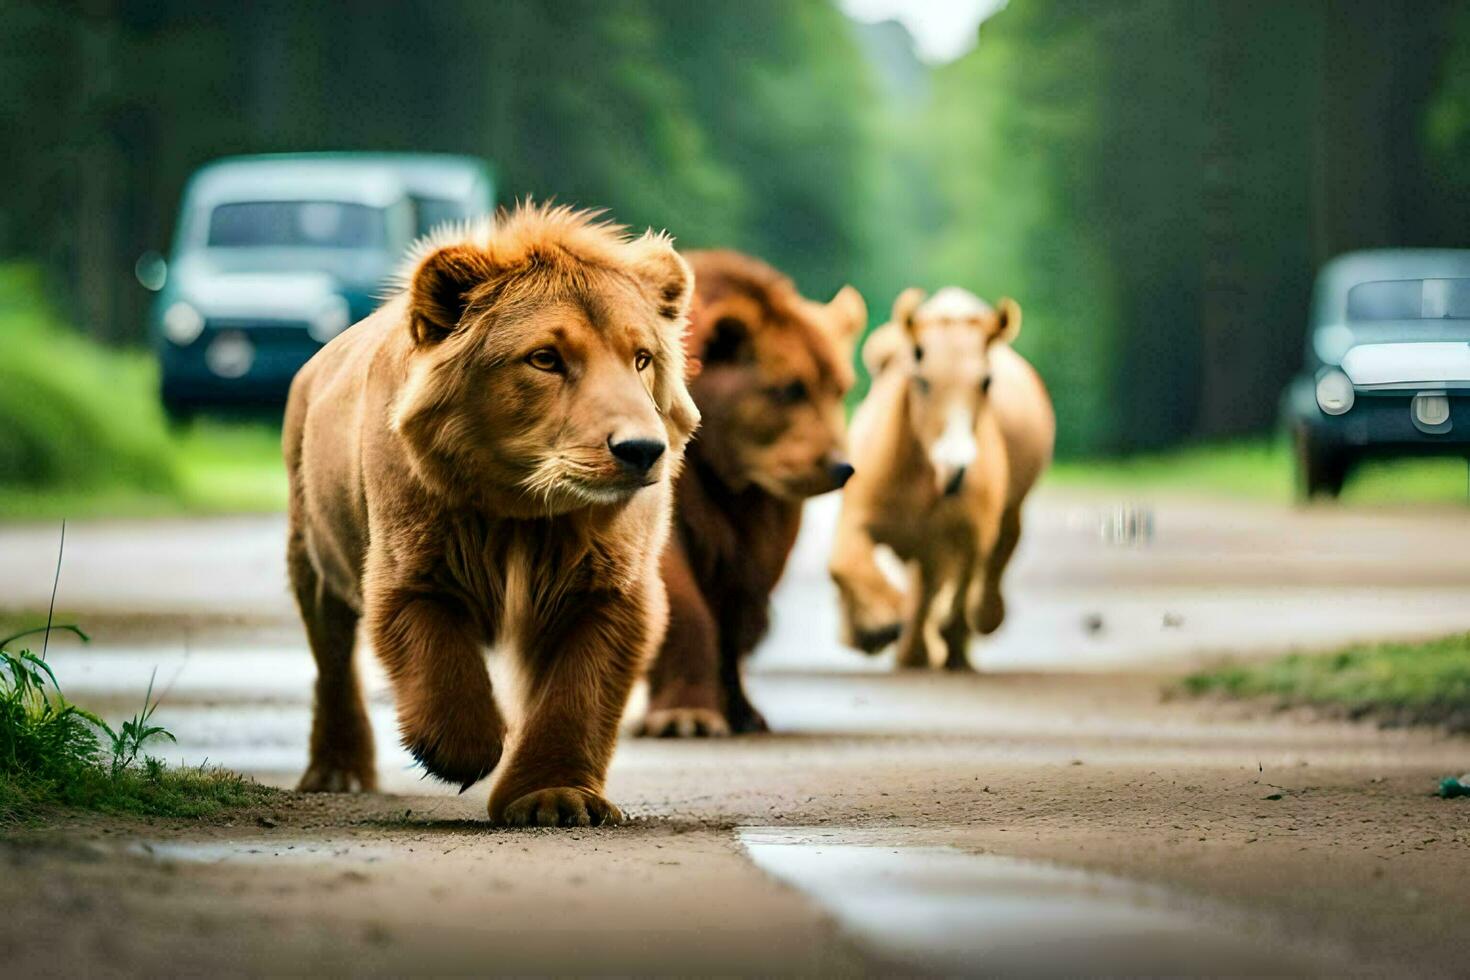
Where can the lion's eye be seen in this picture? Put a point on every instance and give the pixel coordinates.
(642, 360)
(985, 385)
(545, 359)
(789, 394)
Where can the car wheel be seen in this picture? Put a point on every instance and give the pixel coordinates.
(180, 413)
(1321, 470)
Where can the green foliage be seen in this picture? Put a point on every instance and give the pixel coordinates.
(1261, 470)
(71, 413)
(1013, 125)
(51, 754)
(1417, 681)
(81, 430)
(733, 124)
(128, 739)
(1156, 181)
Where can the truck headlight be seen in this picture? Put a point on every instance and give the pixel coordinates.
(1334, 392)
(182, 324)
(330, 320)
(1431, 410)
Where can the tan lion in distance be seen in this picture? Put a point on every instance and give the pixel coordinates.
(487, 462)
(956, 430)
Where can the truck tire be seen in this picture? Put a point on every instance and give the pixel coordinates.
(1321, 471)
(179, 413)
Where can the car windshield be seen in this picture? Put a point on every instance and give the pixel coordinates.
(1410, 299)
(308, 224)
(435, 211)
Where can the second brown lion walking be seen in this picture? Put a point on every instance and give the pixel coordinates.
(774, 369)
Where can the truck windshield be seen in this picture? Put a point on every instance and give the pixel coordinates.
(308, 224)
(1410, 299)
(434, 211)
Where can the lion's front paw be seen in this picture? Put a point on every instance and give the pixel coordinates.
(745, 720)
(462, 760)
(874, 639)
(989, 613)
(560, 806)
(323, 777)
(684, 723)
(871, 623)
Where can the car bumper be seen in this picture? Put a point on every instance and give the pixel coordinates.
(259, 372)
(1386, 422)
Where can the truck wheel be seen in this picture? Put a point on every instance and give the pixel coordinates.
(1321, 471)
(179, 413)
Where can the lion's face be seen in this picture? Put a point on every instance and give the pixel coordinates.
(949, 379)
(771, 387)
(550, 385)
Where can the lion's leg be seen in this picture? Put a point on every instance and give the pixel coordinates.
(684, 698)
(745, 621)
(986, 606)
(913, 645)
(579, 672)
(954, 630)
(871, 608)
(341, 736)
(446, 709)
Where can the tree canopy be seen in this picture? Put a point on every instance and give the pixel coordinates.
(1155, 181)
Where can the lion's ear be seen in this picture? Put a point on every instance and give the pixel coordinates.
(440, 290)
(1007, 321)
(883, 347)
(679, 408)
(906, 306)
(728, 342)
(848, 315)
(666, 274)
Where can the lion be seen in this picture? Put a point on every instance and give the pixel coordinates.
(955, 432)
(488, 461)
(773, 370)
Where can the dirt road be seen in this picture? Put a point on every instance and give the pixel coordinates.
(1052, 814)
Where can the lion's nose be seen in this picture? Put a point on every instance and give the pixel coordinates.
(840, 473)
(956, 481)
(637, 455)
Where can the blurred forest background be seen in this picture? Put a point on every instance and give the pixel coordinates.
(1154, 180)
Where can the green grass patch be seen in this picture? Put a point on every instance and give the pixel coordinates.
(1417, 683)
(54, 754)
(1262, 470)
(82, 432)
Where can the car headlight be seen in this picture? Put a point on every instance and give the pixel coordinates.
(331, 320)
(182, 324)
(1334, 392)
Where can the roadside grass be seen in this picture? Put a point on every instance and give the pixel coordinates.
(216, 467)
(1398, 683)
(82, 432)
(1262, 470)
(54, 754)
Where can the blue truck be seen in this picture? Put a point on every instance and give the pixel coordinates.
(1387, 368)
(274, 255)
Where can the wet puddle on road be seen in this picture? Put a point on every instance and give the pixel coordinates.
(917, 903)
(260, 851)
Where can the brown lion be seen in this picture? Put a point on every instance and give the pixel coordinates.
(774, 369)
(487, 461)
